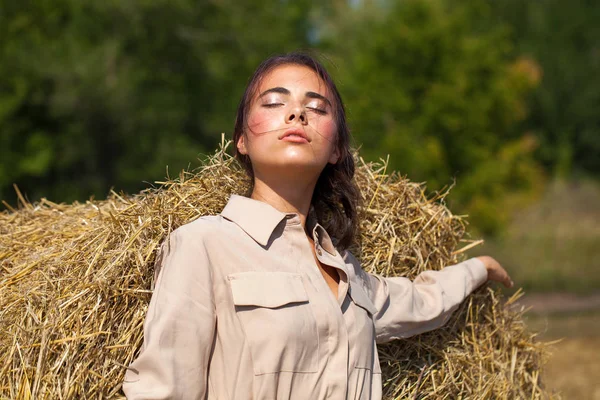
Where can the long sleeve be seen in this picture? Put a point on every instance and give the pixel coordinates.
(179, 326)
(406, 308)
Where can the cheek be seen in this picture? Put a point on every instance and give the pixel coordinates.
(327, 128)
(261, 121)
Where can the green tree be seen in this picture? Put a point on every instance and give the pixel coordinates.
(429, 84)
(564, 38)
(106, 94)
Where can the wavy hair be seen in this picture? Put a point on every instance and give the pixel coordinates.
(336, 196)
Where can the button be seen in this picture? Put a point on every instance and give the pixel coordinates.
(319, 252)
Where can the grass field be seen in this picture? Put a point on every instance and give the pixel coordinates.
(554, 245)
(552, 250)
(573, 369)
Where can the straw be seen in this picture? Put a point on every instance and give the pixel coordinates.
(76, 279)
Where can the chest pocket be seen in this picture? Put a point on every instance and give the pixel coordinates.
(278, 321)
(366, 349)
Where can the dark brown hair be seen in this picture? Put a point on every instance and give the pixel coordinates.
(336, 196)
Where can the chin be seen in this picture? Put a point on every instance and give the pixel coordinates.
(293, 168)
(303, 158)
(302, 165)
(296, 161)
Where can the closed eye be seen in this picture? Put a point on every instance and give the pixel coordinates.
(272, 105)
(319, 111)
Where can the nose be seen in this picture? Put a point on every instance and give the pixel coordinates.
(296, 114)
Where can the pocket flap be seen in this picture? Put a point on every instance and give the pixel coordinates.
(267, 289)
(361, 299)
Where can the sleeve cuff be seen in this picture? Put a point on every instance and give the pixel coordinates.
(478, 272)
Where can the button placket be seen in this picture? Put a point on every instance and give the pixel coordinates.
(338, 338)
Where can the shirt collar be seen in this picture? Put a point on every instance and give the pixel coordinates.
(259, 219)
(256, 218)
(321, 236)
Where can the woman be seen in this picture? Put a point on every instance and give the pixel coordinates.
(264, 301)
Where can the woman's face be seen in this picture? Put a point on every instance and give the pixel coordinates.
(291, 123)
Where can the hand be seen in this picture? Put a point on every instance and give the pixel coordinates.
(496, 272)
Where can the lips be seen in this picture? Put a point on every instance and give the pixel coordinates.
(295, 135)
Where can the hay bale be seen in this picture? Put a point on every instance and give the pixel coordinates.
(75, 284)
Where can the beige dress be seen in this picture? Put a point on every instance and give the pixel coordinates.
(242, 311)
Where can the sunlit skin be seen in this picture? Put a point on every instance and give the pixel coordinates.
(289, 98)
(290, 137)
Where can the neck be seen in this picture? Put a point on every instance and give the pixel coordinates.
(285, 195)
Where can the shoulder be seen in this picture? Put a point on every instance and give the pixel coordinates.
(189, 236)
(207, 230)
(191, 243)
(200, 227)
(353, 264)
(199, 230)
(349, 258)
(357, 273)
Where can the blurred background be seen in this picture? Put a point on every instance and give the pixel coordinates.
(499, 98)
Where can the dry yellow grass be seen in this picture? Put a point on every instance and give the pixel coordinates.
(75, 283)
(574, 368)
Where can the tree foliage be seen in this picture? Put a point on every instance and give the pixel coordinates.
(564, 39)
(95, 95)
(430, 85)
(101, 94)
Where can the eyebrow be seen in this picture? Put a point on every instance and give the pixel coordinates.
(278, 89)
(313, 95)
(282, 90)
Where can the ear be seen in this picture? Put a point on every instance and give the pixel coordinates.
(241, 145)
(335, 156)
